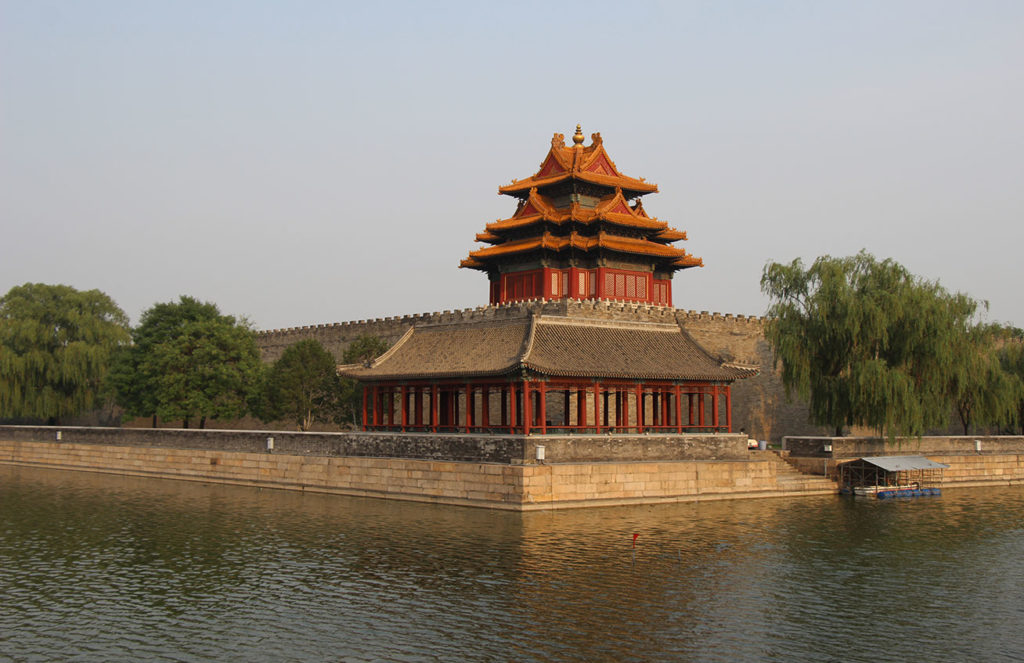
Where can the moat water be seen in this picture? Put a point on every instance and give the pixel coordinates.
(105, 568)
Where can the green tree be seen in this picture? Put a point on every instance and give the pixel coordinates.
(55, 346)
(364, 349)
(303, 386)
(188, 361)
(983, 391)
(1011, 358)
(134, 377)
(865, 342)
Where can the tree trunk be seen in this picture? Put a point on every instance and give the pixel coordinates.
(154, 421)
(184, 423)
(965, 416)
(202, 422)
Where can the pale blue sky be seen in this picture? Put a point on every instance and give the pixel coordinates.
(313, 162)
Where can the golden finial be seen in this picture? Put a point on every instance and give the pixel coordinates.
(577, 138)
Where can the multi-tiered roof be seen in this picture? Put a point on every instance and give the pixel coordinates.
(579, 212)
(579, 232)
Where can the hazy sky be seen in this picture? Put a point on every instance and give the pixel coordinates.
(309, 162)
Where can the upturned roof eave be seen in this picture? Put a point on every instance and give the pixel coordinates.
(520, 187)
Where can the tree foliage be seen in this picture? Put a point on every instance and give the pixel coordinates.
(981, 389)
(867, 343)
(364, 349)
(187, 361)
(55, 345)
(303, 386)
(1011, 358)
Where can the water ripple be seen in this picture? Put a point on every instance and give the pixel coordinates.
(100, 568)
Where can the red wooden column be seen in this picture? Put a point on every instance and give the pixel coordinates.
(469, 406)
(639, 408)
(433, 407)
(597, 406)
(714, 406)
(365, 389)
(504, 406)
(543, 409)
(527, 410)
(700, 408)
(512, 408)
(679, 409)
(405, 406)
(376, 406)
(728, 409)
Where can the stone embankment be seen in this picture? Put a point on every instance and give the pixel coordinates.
(501, 472)
(974, 460)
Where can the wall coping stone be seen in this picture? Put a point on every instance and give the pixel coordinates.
(505, 449)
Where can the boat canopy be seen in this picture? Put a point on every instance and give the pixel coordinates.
(903, 463)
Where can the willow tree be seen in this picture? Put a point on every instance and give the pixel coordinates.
(1011, 358)
(55, 344)
(985, 392)
(865, 342)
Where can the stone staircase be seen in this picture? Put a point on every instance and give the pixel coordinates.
(792, 480)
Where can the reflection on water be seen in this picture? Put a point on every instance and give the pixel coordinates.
(99, 568)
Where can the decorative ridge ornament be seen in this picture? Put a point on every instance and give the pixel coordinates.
(577, 138)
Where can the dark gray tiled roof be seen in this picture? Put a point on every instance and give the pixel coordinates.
(555, 346)
(455, 350)
(633, 352)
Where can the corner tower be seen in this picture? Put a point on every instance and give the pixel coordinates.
(580, 232)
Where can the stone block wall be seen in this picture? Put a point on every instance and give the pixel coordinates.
(508, 449)
(491, 485)
(973, 460)
(857, 447)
